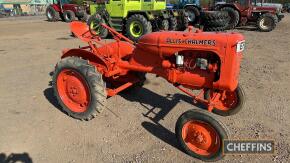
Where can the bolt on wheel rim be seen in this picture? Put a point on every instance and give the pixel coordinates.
(201, 138)
(73, 90)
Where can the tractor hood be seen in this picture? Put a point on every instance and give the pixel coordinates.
(168, 43)
(271, 9)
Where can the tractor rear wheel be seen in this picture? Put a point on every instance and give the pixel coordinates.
(69, 16)
(79, 88)
(215, 18)
(51, 14)
(95, 27)
(213, 29)
(267, 22)
(164, 25)
(136, 26)
(200, 135)
(193, 14)
(172, 24)
(230, 105)
(234, 17)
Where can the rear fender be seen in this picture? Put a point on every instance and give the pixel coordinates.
(87, 55)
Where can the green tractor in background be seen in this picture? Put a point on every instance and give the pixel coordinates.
(135, 17)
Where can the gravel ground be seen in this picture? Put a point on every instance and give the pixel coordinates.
(137, 127)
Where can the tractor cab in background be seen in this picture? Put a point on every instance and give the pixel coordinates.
(153, 4)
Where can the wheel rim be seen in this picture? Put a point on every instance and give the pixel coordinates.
(49, 15)
(191, 16)
(67, 16)
(265, 23)
(201, 138)
(96, 27)
(73, 90)
(136, 29)
(228, 102)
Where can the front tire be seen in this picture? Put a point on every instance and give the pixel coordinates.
(79, 88)
(136, 26)
(95, 28)
(200, 135)
(182, 21)
(267, 22)
(193, 14)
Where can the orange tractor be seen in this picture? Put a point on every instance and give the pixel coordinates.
(210, 62)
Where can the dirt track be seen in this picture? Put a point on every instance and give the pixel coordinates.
(31, 121)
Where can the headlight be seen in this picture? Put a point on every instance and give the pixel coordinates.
(241, 46)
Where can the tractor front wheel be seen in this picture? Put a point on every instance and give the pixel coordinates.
(183, 21)
(79, 88)
(230, 104)
(51, 14)
(267, 22)
(136, 26)
(95, 27)
(69, 16)
(200, 135)
(193, 14)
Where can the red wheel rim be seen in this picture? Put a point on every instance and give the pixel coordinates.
(201, 138)
(229, 101)
(73, 90)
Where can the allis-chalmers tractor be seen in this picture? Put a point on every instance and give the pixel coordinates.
(210, 62)
(242, 12)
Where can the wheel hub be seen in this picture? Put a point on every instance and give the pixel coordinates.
(136, 29)
(200, 137)
(73, 90)
(67, 17)
(265, 23)
(191, 17)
